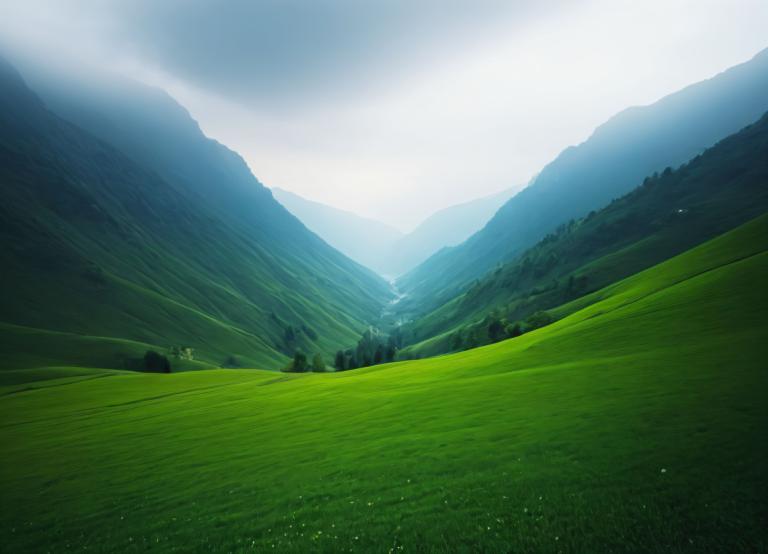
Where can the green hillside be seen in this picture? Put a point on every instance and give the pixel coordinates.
(716, 191)
(636, 423)
(113, 255)
(614, 160)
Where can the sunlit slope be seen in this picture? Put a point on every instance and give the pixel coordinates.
(614, 160)
(636, 423)
(719, 190)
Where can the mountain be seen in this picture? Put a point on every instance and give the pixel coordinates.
(140, 232)
(366, 241)
(383, 248)
(614, 160)
(447, 227)
(668, 214)
(636, 424)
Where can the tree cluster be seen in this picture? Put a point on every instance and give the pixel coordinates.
(373, 348)
(494, 328)
(156, 362)
(301, 364)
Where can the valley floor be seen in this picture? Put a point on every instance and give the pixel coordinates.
(635, 424)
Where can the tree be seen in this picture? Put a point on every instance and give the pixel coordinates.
(496, 331)
(390, 353)
(378, 356)
(154, 361)
(318, 364)
(338, 362)
(299, 362)
(539, 319)
(514, 330)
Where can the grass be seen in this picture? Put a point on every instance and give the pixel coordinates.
(719, 190)
(25, 347)
(636, 423)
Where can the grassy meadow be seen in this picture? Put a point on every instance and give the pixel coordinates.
(634, 423)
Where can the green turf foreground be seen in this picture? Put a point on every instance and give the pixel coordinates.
(635, 424)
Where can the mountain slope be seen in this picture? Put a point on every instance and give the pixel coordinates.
(383, 248)
(366, 241)
(594, 434)
(144, 248)
(717, 191)
(615, 159)
(447, 227)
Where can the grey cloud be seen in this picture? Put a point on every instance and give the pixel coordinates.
(272, 50)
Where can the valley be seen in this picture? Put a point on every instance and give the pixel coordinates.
(196, 360)
(609, 422)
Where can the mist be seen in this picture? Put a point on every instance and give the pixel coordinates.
(394, 110)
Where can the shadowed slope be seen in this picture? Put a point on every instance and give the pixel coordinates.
(101, 246)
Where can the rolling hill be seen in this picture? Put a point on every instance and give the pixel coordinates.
(142, 232)
(670, 213)
(634, 423)
(620, 153)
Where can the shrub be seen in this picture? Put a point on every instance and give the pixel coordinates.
(318, 364)
(299, 362)
(539, 319)
(156, 362)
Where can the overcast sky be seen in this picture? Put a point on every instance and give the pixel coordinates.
(394, 109)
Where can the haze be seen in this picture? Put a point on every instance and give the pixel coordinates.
(394, 110)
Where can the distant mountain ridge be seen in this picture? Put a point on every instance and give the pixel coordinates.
(447, 227)
(383, 248)
(615, 159)
(365, 240)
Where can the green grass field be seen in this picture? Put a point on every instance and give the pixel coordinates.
(635, 423)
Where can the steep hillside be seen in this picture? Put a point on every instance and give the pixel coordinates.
(716, 191)
(635, 424)
(614, 160)
(107, 245)
(366, 241)
(447, 227)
